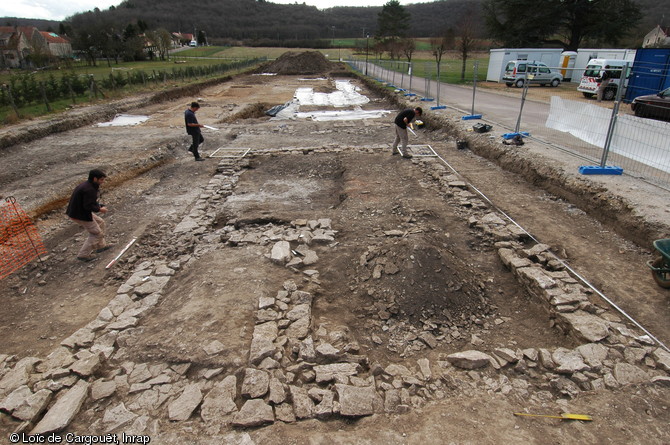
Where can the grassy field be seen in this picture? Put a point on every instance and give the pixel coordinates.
(179, 69)
(104, 69)
(424, 65)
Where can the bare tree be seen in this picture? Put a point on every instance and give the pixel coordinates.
(394, 49)
(378, 48)
(439, 46)
(408, 47)
(163, 41)
(467, 41)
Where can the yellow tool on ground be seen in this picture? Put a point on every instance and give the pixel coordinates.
(563, 416)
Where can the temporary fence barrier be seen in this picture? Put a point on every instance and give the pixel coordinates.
(603, 133)
(19, 241)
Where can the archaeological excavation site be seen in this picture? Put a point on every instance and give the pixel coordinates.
(303, 285)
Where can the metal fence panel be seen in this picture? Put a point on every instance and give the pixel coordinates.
(578, 125)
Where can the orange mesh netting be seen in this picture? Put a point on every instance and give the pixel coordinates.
(19, 241)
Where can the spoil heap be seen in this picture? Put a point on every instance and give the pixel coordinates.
(291, 63)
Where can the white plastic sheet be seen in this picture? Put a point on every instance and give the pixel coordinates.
(642, 140)
(123, 120)
(343, 115)
(346, 94)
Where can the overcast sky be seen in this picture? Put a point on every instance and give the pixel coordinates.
(59, 9)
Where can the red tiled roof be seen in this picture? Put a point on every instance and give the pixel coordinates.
(53, 37)
(27, 30)
(183, 35)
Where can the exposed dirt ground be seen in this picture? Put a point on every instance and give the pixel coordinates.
(404, 259)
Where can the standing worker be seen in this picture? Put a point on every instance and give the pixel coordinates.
(402, 120)
(193, 128)
(605, 78)
(82, 210)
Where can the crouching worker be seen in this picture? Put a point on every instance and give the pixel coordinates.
(402, 120)
(82, 210)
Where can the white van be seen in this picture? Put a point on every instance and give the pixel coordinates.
(193, 43)
(591, 79)
(519, 71)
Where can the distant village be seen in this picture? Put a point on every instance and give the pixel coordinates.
(28, 47)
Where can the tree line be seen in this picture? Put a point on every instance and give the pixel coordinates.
(121, 32)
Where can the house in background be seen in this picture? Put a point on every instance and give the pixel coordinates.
(656, 38)
(58, 46)
(14, 47)
(25, 46)
(182, 39)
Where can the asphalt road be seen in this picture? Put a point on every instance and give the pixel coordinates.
(496, 108)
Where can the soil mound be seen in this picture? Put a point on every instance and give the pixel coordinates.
(291, 63)
(433, 282)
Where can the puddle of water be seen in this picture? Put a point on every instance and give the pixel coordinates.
(123, 120)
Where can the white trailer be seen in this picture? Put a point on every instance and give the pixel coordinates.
(499, 57)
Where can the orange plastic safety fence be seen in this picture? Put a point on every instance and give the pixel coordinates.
(19, 241)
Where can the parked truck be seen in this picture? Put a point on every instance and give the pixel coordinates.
(592, 77)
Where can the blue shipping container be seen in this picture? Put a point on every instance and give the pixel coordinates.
(650, 73)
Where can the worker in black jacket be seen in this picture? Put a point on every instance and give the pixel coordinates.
(402, 120)
(82, 210)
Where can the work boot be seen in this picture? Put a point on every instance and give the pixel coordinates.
(407, 156)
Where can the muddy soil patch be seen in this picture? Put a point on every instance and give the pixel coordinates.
(253, 111)
(285, 188)
(213, 299)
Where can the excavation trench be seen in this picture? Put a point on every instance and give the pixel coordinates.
(404, 269)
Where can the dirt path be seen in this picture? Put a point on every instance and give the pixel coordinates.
(406, 274)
